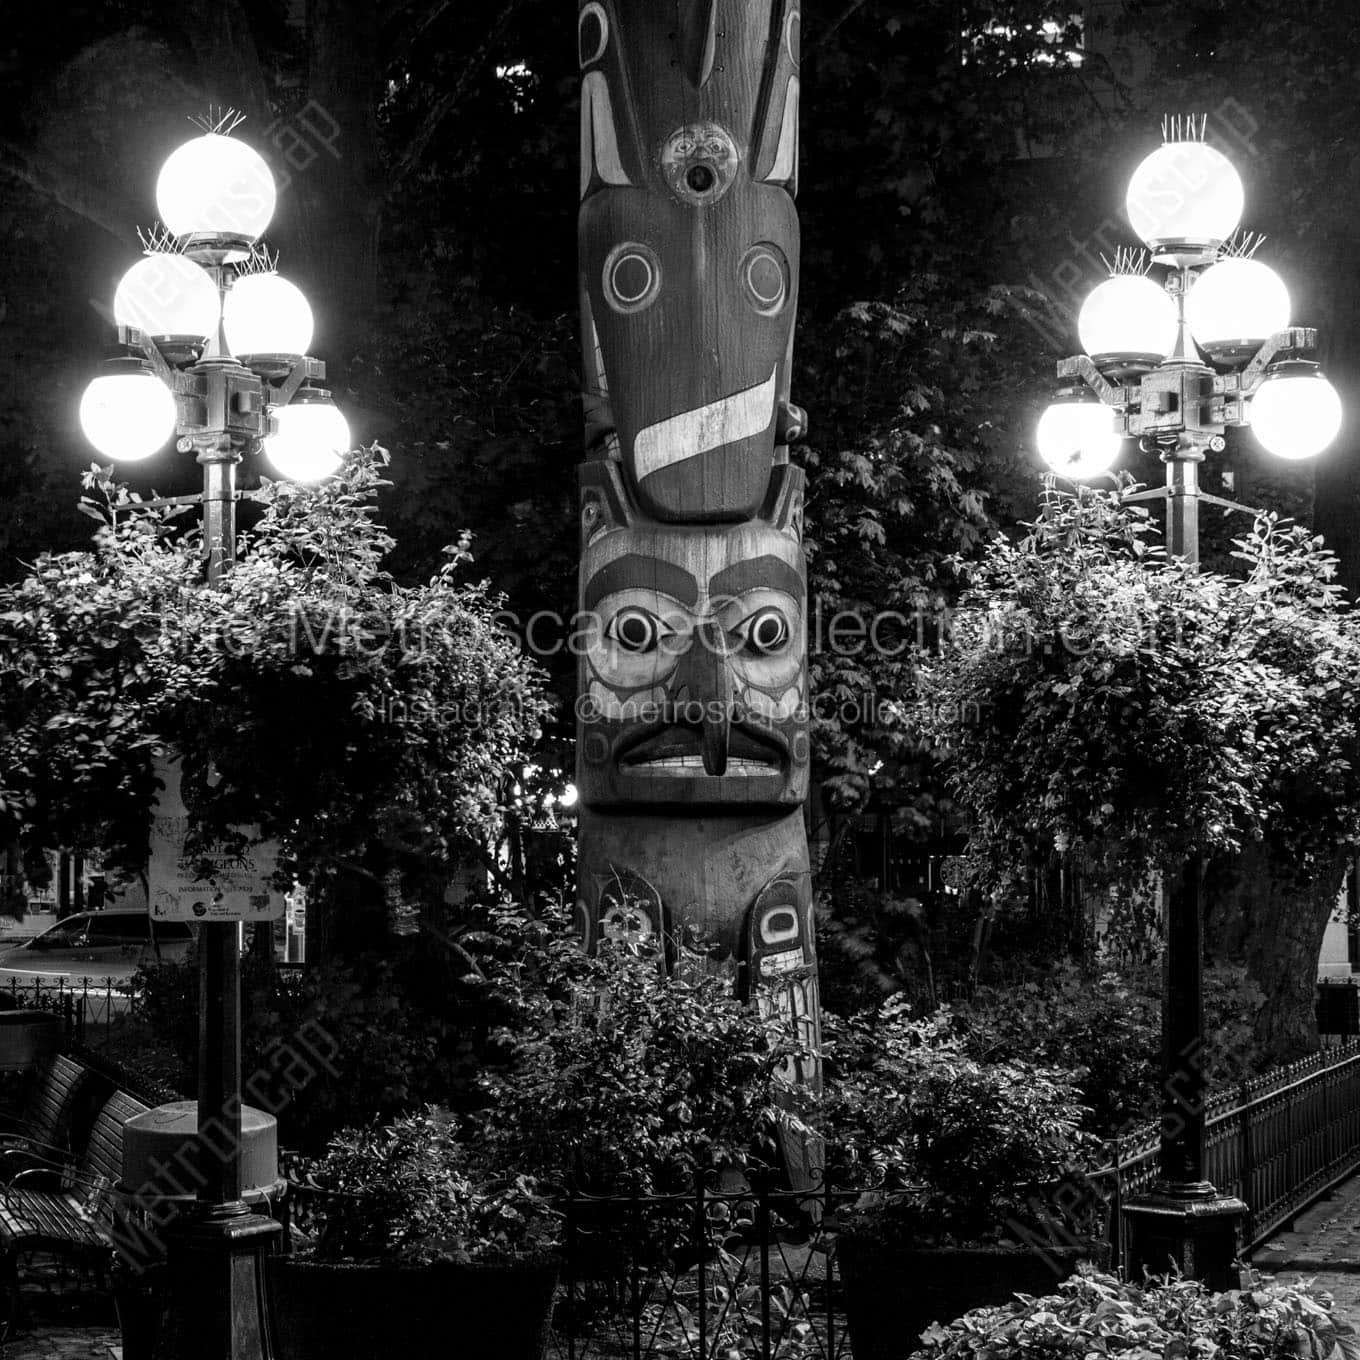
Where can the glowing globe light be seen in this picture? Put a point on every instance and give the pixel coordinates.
(1235, 305)
(265, 314)
(1128, 316)
(1185, 194)
(127, 413)
(167, 294)
(1077, 439)
(309, 439)
(1296, 412)
(216, 186)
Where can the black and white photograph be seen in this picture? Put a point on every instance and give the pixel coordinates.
(679, 680)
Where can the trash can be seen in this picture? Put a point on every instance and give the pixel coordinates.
(27, 1038)
(162, 1172)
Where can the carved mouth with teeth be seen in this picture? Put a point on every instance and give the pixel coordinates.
(678, 751)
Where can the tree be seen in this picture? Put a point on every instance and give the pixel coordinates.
(366, 726)
(1099, 700)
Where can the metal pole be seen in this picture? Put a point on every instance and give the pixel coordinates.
(1182, 500)
(1184, 1224)
(1182, 1131)
(219, 958)
(1183, 1084)
(217, 1292)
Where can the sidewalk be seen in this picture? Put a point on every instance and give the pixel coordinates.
(1324, 1246)
(64, 1343)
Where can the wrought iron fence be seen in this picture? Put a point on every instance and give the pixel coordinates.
(1277, 1141)
(87, 1006)
(742, 1270)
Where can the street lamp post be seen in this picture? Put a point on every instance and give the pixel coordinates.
(215, 347)
(1174, 364)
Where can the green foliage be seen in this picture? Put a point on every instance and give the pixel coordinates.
(1098, 698)
(627, 1078)
(359, 722)
(363, 1040)
(902, 457)
(406, 1194)
(1105, 1031)
(1094, 1314)
(950, 1148)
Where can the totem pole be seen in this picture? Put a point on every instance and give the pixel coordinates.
(692, 725)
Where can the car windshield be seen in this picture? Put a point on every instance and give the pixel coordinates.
(68, 934)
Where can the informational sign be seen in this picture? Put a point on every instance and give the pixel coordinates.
(237, 887)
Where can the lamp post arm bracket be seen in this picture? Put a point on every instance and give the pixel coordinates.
(1229, 505)
(1294, 340)
(163, 502)
(305, 368)
(1082, 366)
(1156, 493)
(146, 347)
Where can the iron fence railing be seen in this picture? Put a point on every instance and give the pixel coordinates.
(88, 1006)
(717, 1272)
(1277, 1141)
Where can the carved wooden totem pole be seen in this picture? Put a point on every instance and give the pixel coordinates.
(692, 751)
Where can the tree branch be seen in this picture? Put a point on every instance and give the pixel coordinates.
(227, 56)
(448, 101)
(829, 33)
(56, 182)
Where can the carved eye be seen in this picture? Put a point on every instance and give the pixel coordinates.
(767, 630)
(632, 277)
(765, 277)
(635, 630)
(779, 925)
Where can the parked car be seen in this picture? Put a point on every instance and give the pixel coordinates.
(112, 943)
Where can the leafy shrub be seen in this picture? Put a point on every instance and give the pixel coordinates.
(1106, 1031)
(627, 1078)
(365, 1040)
(951, 1148)
(1098, 1315)
(408, 1194)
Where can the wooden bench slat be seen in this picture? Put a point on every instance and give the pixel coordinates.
(77, 1217)
(48, 1108)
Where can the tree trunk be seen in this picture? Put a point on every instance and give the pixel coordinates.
(1336, 475)
(340, 186)
(1274, 927)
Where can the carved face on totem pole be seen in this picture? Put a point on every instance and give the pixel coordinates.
(692, 731)
(689, 246)
(693, 674)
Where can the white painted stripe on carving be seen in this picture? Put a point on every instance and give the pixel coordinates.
(691, 433)
(587, 161)
(786, 157)
(604, 138)
(601, 377)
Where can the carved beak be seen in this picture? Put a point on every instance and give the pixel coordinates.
(706, 682)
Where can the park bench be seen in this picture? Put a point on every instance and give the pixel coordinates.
(68, 1211)
(42, 1129)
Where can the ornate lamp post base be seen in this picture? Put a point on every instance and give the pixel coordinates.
(1187, 1228)
(218, 1296)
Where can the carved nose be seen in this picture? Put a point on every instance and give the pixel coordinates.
(707, 681)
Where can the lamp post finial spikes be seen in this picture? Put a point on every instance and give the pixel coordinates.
(159, 240)
(218, 120)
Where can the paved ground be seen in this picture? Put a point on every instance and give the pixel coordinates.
(64, 1343)
(1324, 1246)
